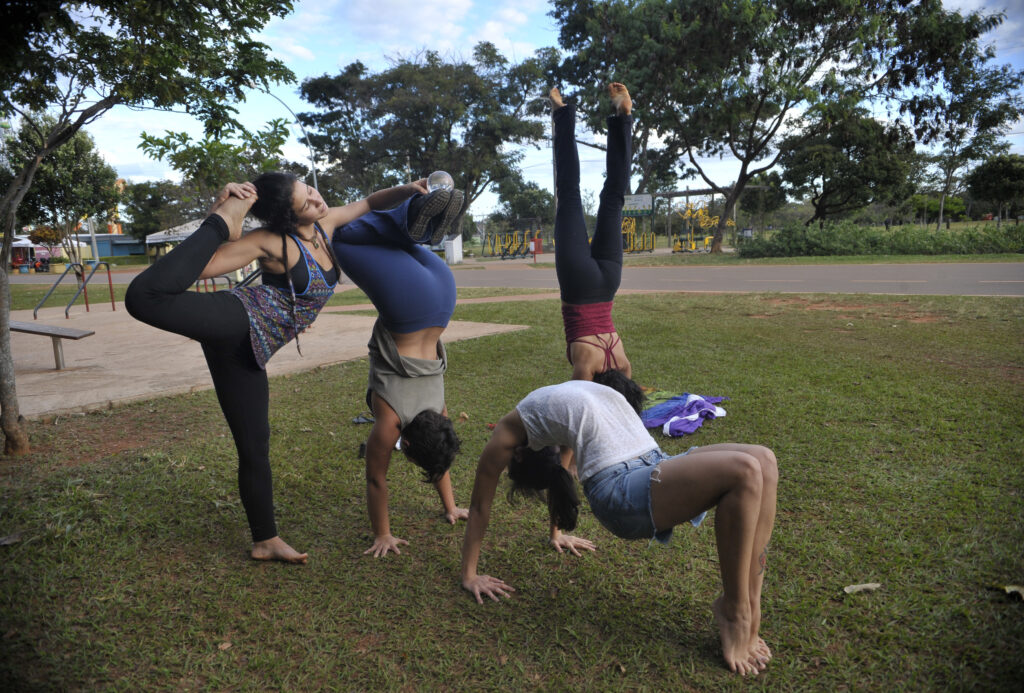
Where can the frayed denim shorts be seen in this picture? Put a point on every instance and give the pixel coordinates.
(620, 497)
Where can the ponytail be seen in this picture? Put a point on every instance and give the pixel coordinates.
(534, 471)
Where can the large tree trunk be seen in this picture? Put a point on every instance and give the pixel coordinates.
(11, 422)
(727, 211)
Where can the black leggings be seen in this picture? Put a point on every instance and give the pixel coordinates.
(589, 272)
(160, 297)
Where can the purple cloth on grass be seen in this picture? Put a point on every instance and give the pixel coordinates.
(682, 414)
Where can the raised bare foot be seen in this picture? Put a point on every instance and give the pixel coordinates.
(275, 549)
(556, 97)
(233, 210)
(734, 632)
(620, 98)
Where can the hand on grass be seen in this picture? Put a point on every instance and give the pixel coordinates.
(382, 545)
(563, 542)
(456, 515)
(486, 586)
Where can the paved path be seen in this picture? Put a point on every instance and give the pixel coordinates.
(127, 360)
(944, 279)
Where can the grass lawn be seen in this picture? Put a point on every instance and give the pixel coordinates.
(899, 428)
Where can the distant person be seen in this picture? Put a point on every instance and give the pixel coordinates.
(637, 492)
(414, 293)
(240, 329)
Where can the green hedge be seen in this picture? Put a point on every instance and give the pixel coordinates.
(847, 238)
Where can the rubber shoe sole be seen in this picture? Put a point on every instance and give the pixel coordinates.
(436, 203)
(452, 211)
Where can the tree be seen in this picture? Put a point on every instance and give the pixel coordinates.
(763, 196)
(730, 77)
(207, 163)
(73, 183)
(852, 162)
(999, 180)
(520, 199)
(46, 236)
(158, 205)
(978, 107)
(426, 114)
(78, 60)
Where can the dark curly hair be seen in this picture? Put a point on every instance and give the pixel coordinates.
(627, 387)
(273, 205)
(533, 472)
(431, 443)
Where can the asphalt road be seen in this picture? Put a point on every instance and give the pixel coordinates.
(947, 279)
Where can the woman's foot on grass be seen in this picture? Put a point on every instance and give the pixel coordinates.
(276, 549)
(734, 632)
(620, 98)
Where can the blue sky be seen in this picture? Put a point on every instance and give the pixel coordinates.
(322, 36)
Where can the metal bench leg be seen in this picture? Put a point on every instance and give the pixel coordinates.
(58, 352)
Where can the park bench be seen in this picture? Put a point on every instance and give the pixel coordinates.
(54, 333)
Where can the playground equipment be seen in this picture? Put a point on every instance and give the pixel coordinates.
(82, 289)
(520, 242)
(633, 242)
(695, 219)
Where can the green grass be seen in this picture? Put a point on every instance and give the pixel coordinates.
(898, 427)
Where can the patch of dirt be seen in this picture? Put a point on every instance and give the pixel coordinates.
(887, 311)
(76, 439)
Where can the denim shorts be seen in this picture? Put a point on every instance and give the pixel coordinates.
(620, 497)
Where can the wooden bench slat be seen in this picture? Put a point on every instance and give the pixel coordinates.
(49, 330)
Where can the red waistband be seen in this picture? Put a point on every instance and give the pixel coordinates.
(583, 320)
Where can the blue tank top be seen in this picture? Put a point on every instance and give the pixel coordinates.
(276, 315)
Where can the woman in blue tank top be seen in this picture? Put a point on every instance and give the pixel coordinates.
(241, 329)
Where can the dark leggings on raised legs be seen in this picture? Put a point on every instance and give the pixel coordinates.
(411, 287)
(589, 272)
(160, 297)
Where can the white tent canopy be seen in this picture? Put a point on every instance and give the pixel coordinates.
(179, 233)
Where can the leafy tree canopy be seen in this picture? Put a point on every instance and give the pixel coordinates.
(424, 114)
(71, 184)
(521, 199)
(712, 78)
(208, 163)
(999, 180)
(851, 162)
(159, 205)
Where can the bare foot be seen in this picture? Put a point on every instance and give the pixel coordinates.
(233, 210)
(275, 549)
(620, 98)
(761, 649)
(556, 97)
(734, 632)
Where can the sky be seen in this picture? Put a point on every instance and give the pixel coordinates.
(322, 36)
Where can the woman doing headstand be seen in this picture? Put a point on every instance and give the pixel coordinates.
(241, 329)
(414, 293)
(636, 492)
(589, 270)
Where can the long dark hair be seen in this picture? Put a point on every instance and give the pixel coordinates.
(533, 472)
(274, 207)
(627, 387)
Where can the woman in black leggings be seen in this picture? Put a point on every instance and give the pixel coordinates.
(241, 329)
(589, 270)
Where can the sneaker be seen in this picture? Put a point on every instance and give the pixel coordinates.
(423, 209)
(452, 213)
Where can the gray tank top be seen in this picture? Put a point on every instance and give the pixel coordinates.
(409, 385)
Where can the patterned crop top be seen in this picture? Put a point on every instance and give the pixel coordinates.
(276, 314)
